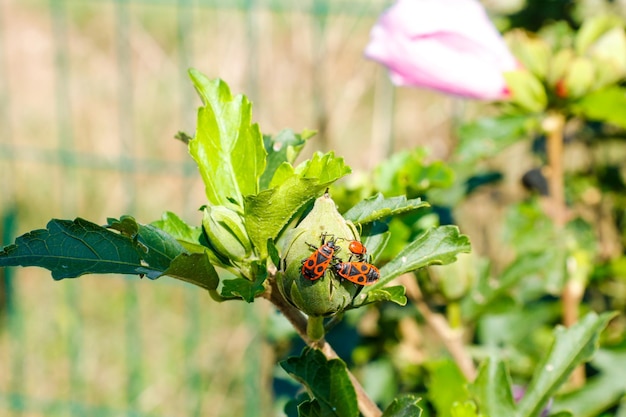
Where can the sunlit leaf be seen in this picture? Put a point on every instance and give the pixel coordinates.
(267, 213)
(605, 105)
(284, 147)
(439, 245)
(227, 146)
(378, 207)
(405, 406)
(70, 249)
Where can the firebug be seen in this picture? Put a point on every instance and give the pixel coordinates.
(315, 265)
(358, 249)
(361, 273)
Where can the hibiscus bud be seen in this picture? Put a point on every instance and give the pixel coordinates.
(226, 233)
(533, 52)
(609, 56)
(326, 295)
(579, 78)
(526, 90)
(559, 64)
(593, 29)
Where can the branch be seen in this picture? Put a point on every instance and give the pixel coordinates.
(573, 291)
(451, 339)
(367, 407)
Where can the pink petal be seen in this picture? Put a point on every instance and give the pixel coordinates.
(446, 45)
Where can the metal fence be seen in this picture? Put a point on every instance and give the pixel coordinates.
(91, 95)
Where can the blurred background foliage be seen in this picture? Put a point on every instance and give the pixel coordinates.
(91, 95)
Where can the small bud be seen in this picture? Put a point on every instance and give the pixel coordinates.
(526, 90)
(326, 295)
(579, 78)
(226, 233)
(559, 64)
(609, 56)
(533, 52)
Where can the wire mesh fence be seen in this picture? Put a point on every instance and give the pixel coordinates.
(91, 95)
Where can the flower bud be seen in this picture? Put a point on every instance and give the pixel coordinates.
(526, 90)
(559, 64)
(579, 78)
(326, 295)
(226, 232)
(609, 56)
(533, 52)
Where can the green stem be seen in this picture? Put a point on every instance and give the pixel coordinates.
(315, 329)
(554, 125)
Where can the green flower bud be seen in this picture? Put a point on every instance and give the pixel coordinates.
(533, 52)
(593, 29)
(526, 90)
(226, 233)
(326, 295)
(609, 56)
(580, 78)
(559, 64)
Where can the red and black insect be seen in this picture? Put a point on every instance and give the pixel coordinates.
(358, 249)
(315, 265)
(361, 273)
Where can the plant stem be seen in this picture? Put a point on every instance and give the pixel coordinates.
(451, 338)
(367, 407)
(573, 291)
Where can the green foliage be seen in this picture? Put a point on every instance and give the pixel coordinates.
(267, 213)
(602, 390)
(284, 147)
(571, 347)
(225, 133)
(377, 207)
(327, 382)
(405, 406)
(492, 389)
(606, 105)
(73, 248)
(446, 386)
(488, 136)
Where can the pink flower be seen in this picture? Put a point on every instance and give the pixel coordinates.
(446, 45)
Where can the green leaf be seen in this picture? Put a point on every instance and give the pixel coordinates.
(466, 409)
(73, 248)
(408, 173)
(191, 238)
(404, 406)
(159, 248)
(601, 391)
(446, 386)
(395, 294)
(488, 136)
(196, 269)
(606, 105)
(243, 288)
(492, 389)
(375, 237)
(70, 249)
(487, 290)
(570, 348)
(327, 381)
(438, 245)
(378, 207)
(227, 147)
(284, 147)
(267, 213)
